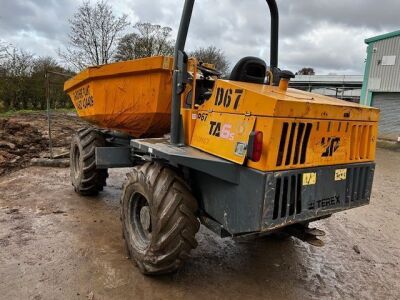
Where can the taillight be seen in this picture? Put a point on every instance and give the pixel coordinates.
(254, 148)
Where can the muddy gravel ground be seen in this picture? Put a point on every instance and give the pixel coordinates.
(26, 136)
(55, 244)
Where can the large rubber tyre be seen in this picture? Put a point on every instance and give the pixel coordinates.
(85, 177)
(158, 214)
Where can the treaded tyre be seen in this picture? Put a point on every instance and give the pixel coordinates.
(86, 179)
(158, 218)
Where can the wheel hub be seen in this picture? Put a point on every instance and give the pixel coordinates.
(145, 219)
(76, 162)
(140, 220)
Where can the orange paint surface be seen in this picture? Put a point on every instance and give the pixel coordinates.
(132, 96)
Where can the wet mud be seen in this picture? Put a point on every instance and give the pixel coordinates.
(55, 244)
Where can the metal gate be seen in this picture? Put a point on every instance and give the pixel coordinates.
(389, 123)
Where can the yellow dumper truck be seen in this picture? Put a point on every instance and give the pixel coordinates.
(246, 156)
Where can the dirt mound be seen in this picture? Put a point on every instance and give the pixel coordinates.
(63, 125)
(18, 144)
(25, 136)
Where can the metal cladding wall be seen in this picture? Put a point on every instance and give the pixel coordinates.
(385, 78)
(389, 124)
(381, 86)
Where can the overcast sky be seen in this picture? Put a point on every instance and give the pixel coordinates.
(324, 34)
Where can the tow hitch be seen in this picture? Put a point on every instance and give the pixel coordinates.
(306, 234)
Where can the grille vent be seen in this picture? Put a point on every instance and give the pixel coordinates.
(293, 143)
(360, 147)
(287, 196)
(356, 185)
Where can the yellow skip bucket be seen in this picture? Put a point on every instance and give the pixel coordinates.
(131, 96)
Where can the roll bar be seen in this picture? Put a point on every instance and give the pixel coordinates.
(180, 59)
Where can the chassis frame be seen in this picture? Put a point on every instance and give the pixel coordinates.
(235, 200)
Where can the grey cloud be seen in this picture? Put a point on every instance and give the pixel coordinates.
(46, 17)
(324, 34)
(372, 14)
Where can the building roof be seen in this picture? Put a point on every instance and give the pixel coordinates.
(382, 37)
(337, 79)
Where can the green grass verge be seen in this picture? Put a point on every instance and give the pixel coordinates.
(391, 145)
(11, 113)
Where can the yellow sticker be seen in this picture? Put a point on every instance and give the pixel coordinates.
(340, 174)
(309, 178)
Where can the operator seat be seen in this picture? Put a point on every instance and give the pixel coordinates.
(249, 69)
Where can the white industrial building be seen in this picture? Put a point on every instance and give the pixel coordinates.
(381, 84)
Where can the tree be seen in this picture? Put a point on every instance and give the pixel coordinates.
(3, 54)
(93, 36)
(37, 91)
(17, 66)
(306, 71)
(212, 55)
(22, 81)
(127, 47)
(3, 50)
(147, 40)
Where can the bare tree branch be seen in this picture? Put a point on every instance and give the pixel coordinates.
(306, 71)
(212, 55)
(147, 40)
(93, 35)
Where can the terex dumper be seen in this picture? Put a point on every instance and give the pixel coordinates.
(245, 156)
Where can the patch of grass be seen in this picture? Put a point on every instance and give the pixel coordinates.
(11, 113)
(66, 110)
(391, 145)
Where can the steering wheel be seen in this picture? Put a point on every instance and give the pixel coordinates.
(208, 72)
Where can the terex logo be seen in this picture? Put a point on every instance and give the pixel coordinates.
(331, 144)
(323, 203)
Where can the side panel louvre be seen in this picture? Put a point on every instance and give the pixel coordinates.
(293, 143)
(305, 143)
(287, 200)
(282, 144)
(290, 145)
(360, 142)
(299, 141)
(277, 198)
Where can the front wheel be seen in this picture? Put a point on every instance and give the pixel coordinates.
(158, 218)
(85, 177)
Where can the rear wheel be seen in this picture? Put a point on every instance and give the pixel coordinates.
(85, 177)
(158, 218)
